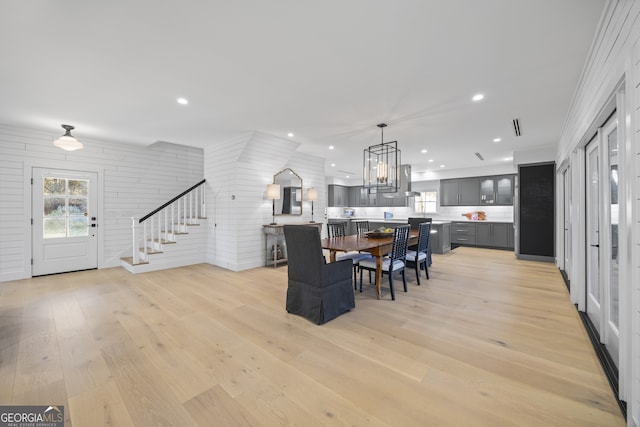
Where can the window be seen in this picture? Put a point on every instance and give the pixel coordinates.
(65, 207)
(426, 202)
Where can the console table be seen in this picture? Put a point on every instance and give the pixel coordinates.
(275, 245)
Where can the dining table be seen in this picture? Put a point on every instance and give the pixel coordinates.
(376, 246)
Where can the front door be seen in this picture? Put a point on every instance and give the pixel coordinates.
(64, 206)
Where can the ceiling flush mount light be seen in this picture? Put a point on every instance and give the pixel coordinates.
(380, 163)
(182, 101)
(478, 97)
(67, 141)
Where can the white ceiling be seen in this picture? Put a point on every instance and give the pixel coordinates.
(326, 70)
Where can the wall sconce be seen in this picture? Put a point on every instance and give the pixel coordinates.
(312, 196)
(67, 141)
(273, 194)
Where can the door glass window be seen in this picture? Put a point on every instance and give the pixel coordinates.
(65, 210)
(613, 203)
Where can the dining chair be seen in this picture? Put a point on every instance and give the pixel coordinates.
(415, 223)
(338, 229)
(395, 261)
(362, 227)
(418, 257)
(317, 291)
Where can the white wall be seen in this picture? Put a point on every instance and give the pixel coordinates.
(612, 64)
(133, 180)
(237, 173)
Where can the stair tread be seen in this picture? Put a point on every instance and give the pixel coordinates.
(129, 260)
(151, 251)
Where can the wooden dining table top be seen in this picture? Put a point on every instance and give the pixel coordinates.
(378, 247)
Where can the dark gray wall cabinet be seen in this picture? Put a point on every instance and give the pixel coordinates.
(475, 191)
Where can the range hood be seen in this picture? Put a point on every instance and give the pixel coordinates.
(404, 187)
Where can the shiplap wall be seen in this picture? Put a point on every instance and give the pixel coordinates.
(615, 58)
(133, 180)
(237, 174)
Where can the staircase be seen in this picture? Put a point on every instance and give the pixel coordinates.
(173, 235)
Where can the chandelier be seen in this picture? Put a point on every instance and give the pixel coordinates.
(380, 163)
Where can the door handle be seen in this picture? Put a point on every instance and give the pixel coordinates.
(595, 246)
(94, 225)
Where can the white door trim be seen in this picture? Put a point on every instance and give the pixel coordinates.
(28, 166)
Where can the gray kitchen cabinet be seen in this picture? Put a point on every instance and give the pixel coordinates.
(477, 191)
(440, 238)
(338, 196)
(355, 196)
(449, 192)
(496, 190)
(469, 192)
(504, 190)
(463, 233)
(495, 235)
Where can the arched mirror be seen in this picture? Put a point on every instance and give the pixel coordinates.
(290, 202)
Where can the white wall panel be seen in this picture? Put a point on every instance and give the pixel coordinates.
(135, 179)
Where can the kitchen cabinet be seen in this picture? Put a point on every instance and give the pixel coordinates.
(440, 238)
(477, 191)
(496, 235)
(338, 196)
(496, 190)
(463, 233)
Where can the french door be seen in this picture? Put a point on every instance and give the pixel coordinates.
(64, 237)
(603, 284)
(594, 291)
(566, 180)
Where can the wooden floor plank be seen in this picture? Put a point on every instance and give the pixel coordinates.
(489, 340)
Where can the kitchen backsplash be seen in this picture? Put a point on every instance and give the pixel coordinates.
(493, 213)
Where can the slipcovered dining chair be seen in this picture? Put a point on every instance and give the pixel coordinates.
(316, 290)
(338, 229)
(394, 262)
(418, 257)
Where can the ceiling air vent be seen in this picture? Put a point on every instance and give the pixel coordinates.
(478, 155)
(516, 126)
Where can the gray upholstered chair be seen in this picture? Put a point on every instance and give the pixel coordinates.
(317, 291)
(394, 262)
(419, 257)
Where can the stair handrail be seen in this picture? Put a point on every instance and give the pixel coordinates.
(155, 211)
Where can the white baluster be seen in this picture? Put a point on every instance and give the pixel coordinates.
(136, 254)
(159, 229)
(172, 222)
(144, 240)
(204, 201)
(178, 203)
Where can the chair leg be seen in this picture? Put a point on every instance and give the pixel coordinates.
(426, 269)
(404, 280)
(355, 277)
(418, 264)
(393, 295)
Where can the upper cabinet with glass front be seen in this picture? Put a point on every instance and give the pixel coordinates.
(487, 190)
(290, 202)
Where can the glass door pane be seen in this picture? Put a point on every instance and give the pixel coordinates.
(613, 311)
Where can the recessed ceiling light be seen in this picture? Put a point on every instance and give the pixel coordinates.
(331, 147)
(423, 151)
(508, 159)
(182, 101)
(430, 160)
(347, 176)
(333, 165)
(441, 166)
(290, 135)
(497, 139)
(478, 97)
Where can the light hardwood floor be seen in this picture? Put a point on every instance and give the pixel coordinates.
(488, 341)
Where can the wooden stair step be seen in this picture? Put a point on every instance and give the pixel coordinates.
(151, 251)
